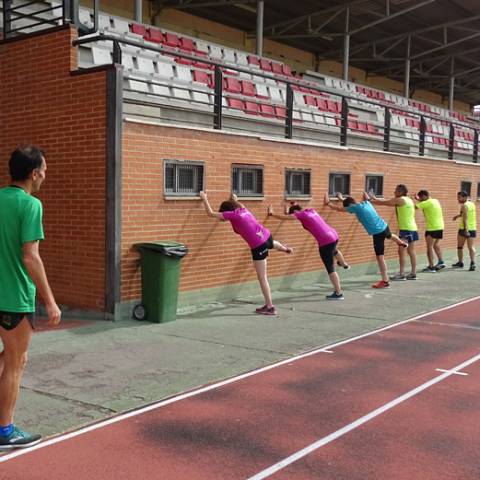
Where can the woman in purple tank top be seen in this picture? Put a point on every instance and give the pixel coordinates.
(326, 237)
(257, 237)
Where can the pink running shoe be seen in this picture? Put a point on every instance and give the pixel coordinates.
(266, 310)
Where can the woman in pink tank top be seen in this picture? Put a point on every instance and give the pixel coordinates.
(326, 237)
(258, 238)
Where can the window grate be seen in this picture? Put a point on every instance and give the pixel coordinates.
(183, 178)
(338, 183)
(247, 180)
(466, 187)
(374, 185)
(297, 183)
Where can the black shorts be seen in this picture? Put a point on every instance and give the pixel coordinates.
(327, 254)
(437, 234)
(261, 252)
(473, 233)
(10, 320)
(379, 241)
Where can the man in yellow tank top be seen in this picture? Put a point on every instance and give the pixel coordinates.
(467, 229)
(408, 230)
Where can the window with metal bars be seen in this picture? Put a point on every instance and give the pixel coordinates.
(374, 185)
(183, 178)
(338, 183)
(466, 187)
(247, 180)
(297, 183)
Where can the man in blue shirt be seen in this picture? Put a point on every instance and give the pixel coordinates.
(374, 225)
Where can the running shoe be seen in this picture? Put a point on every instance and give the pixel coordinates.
(288, 250)
(472, 267)
(398, 277)
(381, 284)
(411, 276)
(335, 296)
(266, 310)
(345, 267)
(458, 265)
(430, 269)
(19, 439)
(440, 265)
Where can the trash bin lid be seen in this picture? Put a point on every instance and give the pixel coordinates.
(165, 247)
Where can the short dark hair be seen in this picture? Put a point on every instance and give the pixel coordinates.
(403, 188)
(294, 207)
(463, 194)
(423, 193)
(23, 161)
(348, 201)
(229, 206)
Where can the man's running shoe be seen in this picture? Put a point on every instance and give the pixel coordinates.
(335, 296)
(440, 265)
(411, 276)
(458, 265)
(19, 439)
(398, 277)
(266, 310)
(472, 267)
(381, 284)
(430, 269)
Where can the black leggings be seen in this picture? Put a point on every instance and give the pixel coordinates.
(327, 254)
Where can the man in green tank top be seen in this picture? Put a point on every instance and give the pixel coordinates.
(434, 225)
(408, 230)
(467, 229)
(21, 273)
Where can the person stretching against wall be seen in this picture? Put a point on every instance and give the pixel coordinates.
(408, 229)
(256, 235)
(374, 225)
(326, 237)
(467, 229)
(434, 225)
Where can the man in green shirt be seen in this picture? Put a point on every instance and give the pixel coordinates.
(467, 230)
(408, 230)
(434, 225)
(21, 273)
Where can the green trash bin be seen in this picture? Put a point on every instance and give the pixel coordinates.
(160, 264)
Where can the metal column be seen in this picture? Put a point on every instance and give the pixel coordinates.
(260, 14)
(451, 88)
(138, 11)
(406, 83)
(346, 44)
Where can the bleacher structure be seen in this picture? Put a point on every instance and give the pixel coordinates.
(170, 78)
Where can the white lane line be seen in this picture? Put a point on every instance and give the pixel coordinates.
(214, 386)
(454, 325)
(357, 423)
(450, 371)
(324, 350)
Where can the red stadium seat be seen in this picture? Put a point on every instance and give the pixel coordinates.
(252, 108)
(235, 103)
(280, 112)
(287, 71)
(267, 110)
(322, 104)
(172, 40)
(232, 85)
(252, 60)
(155, 35)
(277, 68)
(372, 129)
(265, 65)
(187, 44)
(139, 29)
(248, 88)
(309, 100)
(203, 77)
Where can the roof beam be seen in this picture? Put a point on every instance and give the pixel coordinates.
(189, 5)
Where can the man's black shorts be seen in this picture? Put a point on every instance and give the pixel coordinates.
(437, 234)
(10, 320)
(473, 233)
(379, 241)
(261, 252)
(327, 254)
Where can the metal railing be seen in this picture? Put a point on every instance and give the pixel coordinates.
(387, 130)
(31, 18)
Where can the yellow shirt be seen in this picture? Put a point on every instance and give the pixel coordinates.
(432, 210)
(471, 217)
(406, 215)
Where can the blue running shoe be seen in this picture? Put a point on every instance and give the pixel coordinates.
(19, 439)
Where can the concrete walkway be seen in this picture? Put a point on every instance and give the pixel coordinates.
(83, 374)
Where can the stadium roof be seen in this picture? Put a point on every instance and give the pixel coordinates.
(443, 35)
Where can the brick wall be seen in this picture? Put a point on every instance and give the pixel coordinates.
(218, 256)
(42, 103)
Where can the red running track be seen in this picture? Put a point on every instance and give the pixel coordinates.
(243, 428)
